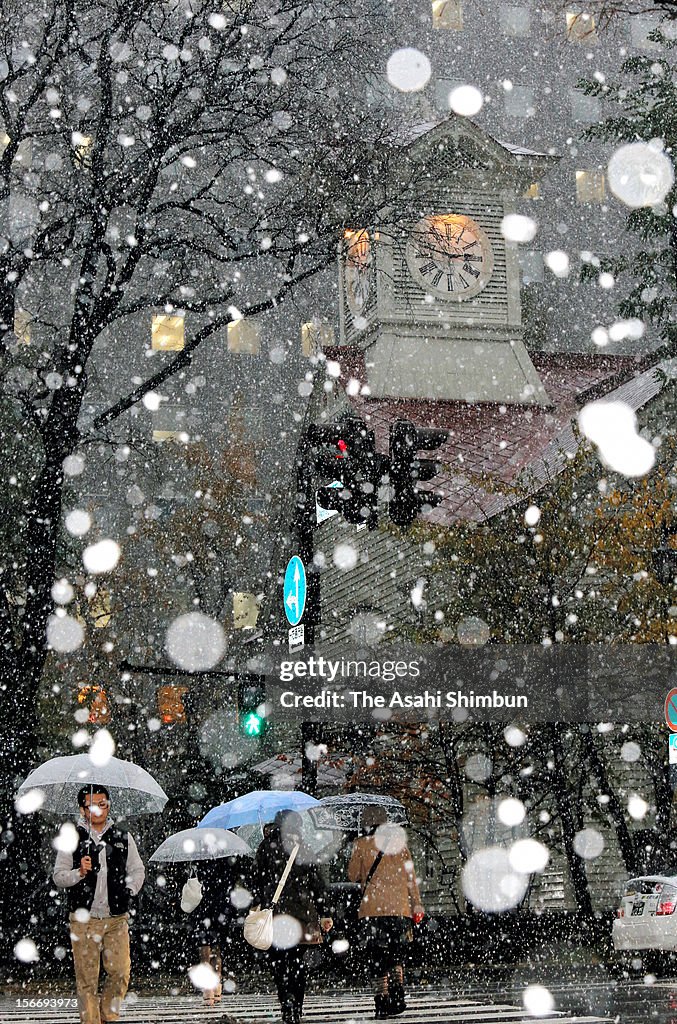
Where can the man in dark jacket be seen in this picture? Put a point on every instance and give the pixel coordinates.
(100, 875)
(302, 912)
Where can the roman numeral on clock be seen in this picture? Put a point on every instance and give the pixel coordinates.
(427, 268)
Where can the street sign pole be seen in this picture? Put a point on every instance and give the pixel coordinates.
(304, 524)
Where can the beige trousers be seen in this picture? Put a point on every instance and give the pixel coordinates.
(92, 941)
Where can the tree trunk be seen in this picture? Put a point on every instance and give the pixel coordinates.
(598, 769)
(22, 658)
(563, 798)
(455, 783)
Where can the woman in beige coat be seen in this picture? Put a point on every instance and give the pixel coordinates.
(382, 864)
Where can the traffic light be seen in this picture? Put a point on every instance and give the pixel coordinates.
(170, 704)
(407, 470)
(346, 451)
(251, 709)
(99, 707)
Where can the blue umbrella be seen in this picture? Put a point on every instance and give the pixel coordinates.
(256, 808)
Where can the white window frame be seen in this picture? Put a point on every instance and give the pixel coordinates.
(520, 101)
(590, 186)
(448, 15)
(581, 28)
(244, 337)
(168, 332)
(580, 100)
(316, 336)
(510, 26)
(532, 266)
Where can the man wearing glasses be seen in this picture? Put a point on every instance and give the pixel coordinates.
(100, 875)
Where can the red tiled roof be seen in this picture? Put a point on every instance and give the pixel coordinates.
(491, 446)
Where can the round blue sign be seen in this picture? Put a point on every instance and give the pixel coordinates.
(294, 594)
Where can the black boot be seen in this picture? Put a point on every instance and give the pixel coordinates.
(396, 1001)
(288, 1013)
(382, 1004)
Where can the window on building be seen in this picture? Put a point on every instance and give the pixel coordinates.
(315, 336)
(245, 610)
(24, 153)
(641, 27)
(585, 108)
(514, 21)
(244, 337)
(168, 333)
(519, 101)
(590, 186)
(169, 423)
(531, 265)
(442, 87)
(533, 191)
(581, 27)
(22, 326)
(100, 609)
(83, 150)
(448, 14)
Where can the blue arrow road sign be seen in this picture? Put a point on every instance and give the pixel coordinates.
(294, 594)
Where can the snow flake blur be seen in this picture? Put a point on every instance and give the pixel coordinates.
(641, 174)
(408, 70)
(612, 426)
(195, 642)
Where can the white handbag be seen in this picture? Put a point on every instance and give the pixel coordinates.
(258, 924)
(191, 894)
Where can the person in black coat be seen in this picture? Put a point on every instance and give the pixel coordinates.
(302, 914)
(215, 914)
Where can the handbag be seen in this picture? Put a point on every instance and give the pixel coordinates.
(258, 924)
(191, 894)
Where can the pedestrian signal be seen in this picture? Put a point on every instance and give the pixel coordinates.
(251, 710)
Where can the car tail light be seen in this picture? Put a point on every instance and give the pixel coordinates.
(665, 907)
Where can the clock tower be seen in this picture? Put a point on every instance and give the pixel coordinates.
(432, 293)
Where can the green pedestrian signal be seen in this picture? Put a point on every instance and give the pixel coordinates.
(252, 724)
(251, 708)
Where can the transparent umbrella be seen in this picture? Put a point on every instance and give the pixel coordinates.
(53, 787)
(200, 844)
(345, 812)
(319, 845)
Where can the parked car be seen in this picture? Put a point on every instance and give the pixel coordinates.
(647, 916)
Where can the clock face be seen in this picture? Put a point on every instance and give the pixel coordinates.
(450, 256)
(357, 271)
